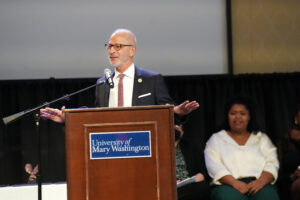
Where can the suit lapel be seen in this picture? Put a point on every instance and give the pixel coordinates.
(136, 86)
(106, 95)
(104, 89)
(103, 95)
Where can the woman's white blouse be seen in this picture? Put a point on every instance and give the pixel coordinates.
(224, 156)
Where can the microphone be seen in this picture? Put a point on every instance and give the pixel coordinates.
(107, 74)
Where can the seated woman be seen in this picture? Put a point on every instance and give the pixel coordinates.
(188, 188)
(289, 151)
(241, 160)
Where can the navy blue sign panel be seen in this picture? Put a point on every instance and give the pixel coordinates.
(110, 145)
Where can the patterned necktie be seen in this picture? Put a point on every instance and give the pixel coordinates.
(120, 91)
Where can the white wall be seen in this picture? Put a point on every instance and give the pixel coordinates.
(64, 38)
(56, 191)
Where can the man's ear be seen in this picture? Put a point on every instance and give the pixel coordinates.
(132, 51)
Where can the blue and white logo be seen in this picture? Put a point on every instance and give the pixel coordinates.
(110, 145)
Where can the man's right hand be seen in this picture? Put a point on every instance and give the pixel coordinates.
(53, 114)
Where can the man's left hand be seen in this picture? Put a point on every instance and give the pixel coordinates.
(186, 107)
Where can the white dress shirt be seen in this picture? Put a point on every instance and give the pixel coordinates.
(224, 156)
(128, 81)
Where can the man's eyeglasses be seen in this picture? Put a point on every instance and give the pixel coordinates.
(116, 47)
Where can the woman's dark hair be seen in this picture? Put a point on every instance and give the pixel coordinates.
(248, 103)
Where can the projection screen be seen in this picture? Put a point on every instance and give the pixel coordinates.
(65, 38)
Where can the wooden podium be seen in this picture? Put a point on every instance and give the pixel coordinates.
(147, 177)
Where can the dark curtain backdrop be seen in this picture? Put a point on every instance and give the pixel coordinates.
(275, 95)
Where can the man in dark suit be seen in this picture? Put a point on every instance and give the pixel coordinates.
(142, 87)
(134, 86)
(148, 89)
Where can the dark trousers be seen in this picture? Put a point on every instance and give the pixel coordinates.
(225, 192)
(194, 191)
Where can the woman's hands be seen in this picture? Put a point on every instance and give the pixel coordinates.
(255, 186)
(240, 186)
(252, 187)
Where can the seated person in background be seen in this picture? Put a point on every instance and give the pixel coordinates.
(196, 188)
(289, 151)
(241, 160)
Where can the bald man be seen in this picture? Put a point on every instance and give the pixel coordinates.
(140, 87)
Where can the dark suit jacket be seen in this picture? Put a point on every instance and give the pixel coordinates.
(148, 89)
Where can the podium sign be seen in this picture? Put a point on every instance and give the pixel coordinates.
(120, 145)
(120, 153)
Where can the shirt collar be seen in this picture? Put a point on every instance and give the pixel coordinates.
(253, 138)
(128, 73)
